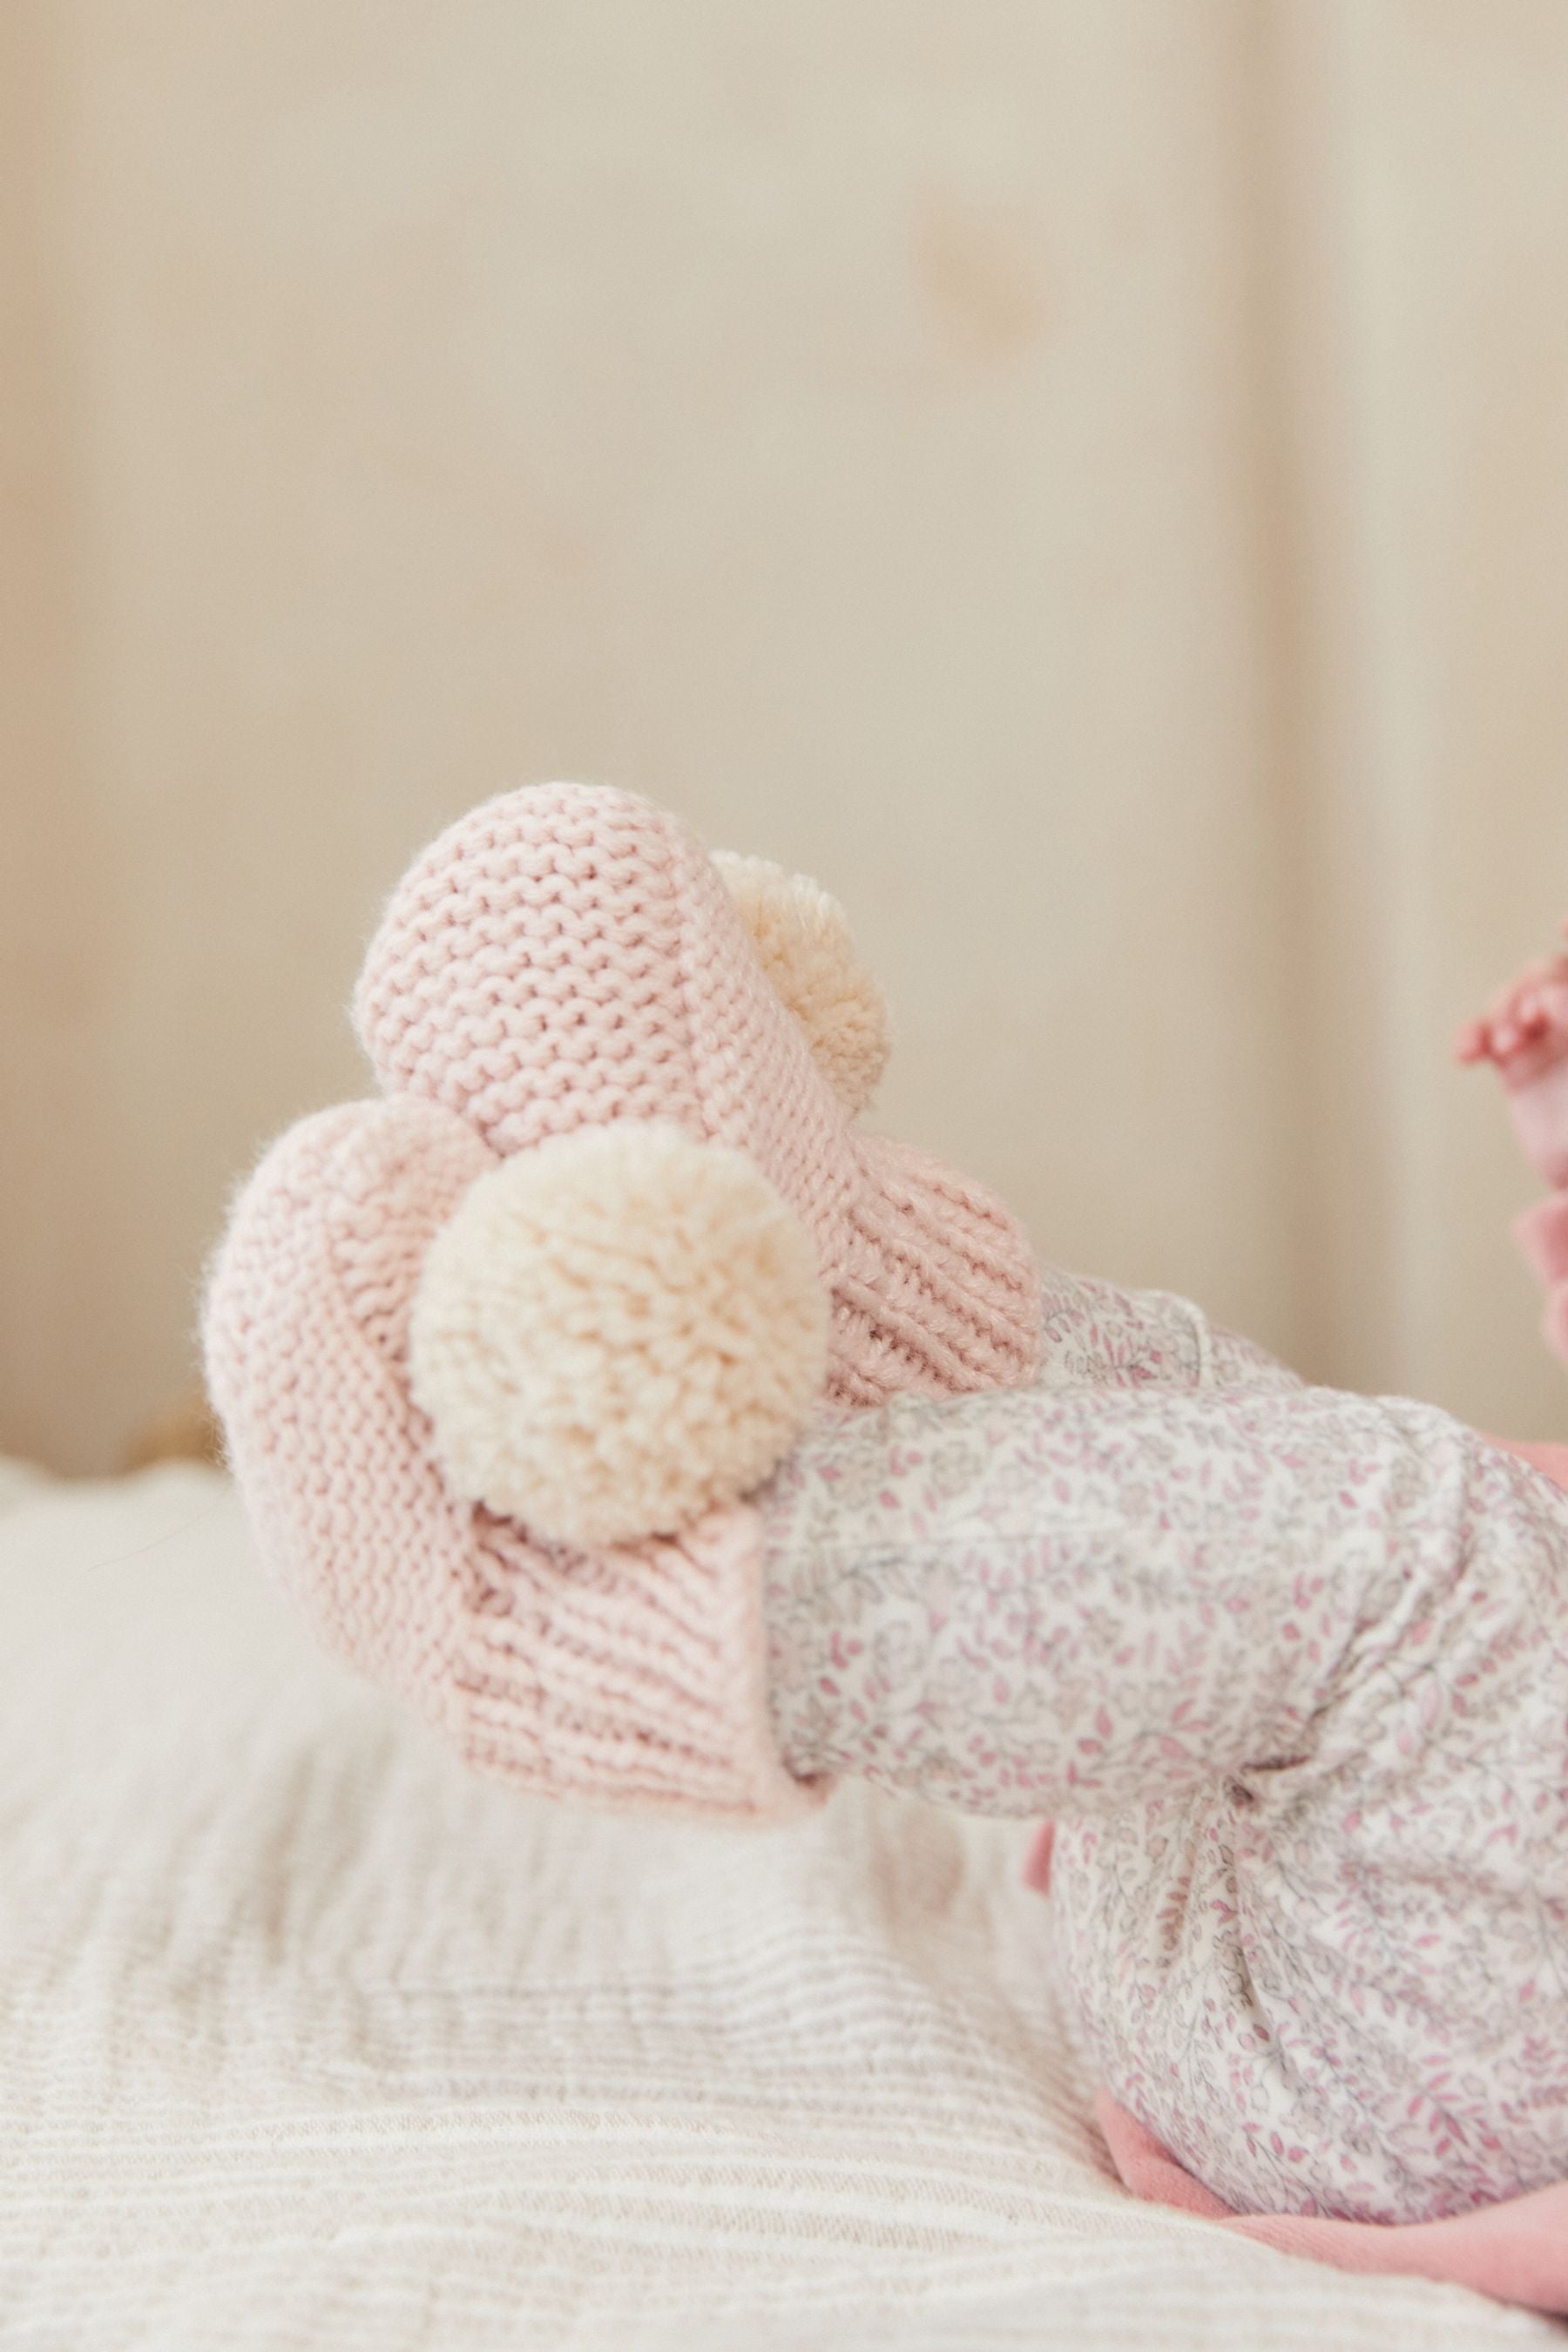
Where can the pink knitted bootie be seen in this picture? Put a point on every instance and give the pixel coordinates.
(500, 1354)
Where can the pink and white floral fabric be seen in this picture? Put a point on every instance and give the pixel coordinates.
(1288, 1669)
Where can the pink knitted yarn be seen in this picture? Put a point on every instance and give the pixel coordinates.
(564, 956)
(567, 954)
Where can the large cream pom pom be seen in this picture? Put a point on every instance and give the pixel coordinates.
(616, 1331)
(803, 943)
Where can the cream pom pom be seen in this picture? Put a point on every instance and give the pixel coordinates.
(803, 943)
(615, 1331)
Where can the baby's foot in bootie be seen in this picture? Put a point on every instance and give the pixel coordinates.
(1525, 1031)
(501, 1351)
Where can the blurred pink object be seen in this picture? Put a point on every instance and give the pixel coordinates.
(1541, 1232)
(1538, 1105)
(1523, 1033)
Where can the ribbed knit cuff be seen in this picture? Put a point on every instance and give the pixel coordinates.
(635, 1678)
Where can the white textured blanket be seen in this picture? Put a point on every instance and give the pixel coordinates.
(309, 2040)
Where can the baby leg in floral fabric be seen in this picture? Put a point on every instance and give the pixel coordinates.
(1095, 1334)
(1288, 1669)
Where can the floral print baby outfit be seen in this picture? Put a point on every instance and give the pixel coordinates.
(1288, 1669)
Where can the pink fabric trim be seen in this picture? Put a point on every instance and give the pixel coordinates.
(1516, 2251)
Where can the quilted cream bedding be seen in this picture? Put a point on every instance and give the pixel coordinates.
(307, 2039)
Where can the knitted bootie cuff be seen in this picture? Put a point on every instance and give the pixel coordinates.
(635, 1678)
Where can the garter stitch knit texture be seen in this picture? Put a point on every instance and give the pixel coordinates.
(564, 957)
